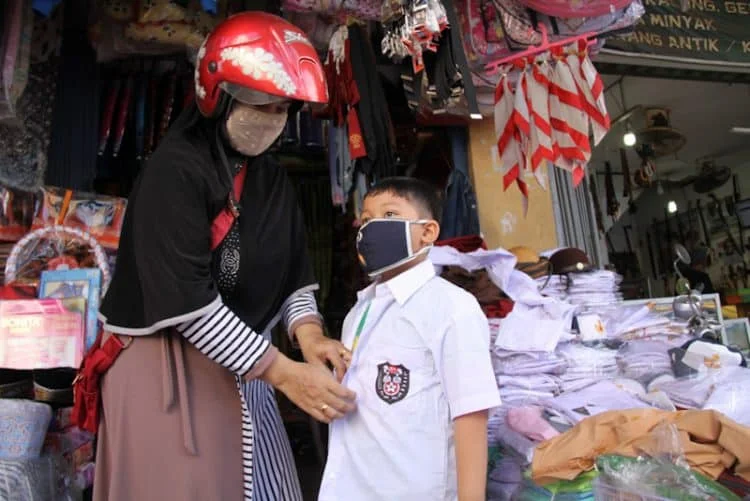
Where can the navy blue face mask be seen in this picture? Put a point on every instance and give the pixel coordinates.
(385, 244)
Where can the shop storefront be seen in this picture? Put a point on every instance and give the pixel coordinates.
(592, 162)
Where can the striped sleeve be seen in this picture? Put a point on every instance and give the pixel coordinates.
(228, 341)
(299, 309)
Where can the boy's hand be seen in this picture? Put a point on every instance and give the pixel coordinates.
(318, 349)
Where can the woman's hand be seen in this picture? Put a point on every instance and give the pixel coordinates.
(320, 350)
(312, 388)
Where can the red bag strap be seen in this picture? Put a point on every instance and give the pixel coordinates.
(224, 220)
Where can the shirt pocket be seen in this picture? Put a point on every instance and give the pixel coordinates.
(401, 377)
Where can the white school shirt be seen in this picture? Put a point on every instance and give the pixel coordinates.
(422, 360)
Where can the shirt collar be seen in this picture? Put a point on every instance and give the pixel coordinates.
(403, 286)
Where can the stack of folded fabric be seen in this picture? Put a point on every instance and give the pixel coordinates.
(572, 407)
(505, 473)
(645, 359)
(586, 365)
(555, 286)
(515, 389)
(595, 290)
(527, 376)
(694, 392)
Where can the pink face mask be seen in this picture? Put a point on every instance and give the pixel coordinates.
(251, 131)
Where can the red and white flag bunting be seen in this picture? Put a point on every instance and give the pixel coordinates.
(557, 102)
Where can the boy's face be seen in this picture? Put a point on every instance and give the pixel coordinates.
(387, 205)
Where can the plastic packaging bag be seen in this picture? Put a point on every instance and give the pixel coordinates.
(55, 248)
(99, 215)
(43, 479)
(16, 213)
(653, 479)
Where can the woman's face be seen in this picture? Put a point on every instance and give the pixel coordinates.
(252, 129)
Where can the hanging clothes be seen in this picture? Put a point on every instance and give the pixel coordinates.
(508, 138)
(460, 217)
(372, 109)
(541, 150)
(547, 116)
(23, 150)
(73, 146)
(569, 122)
(344, 93)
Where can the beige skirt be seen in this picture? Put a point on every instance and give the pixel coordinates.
(171, 426)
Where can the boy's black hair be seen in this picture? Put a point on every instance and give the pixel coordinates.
(416, 191)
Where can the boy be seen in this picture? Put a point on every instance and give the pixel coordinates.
(420, 366)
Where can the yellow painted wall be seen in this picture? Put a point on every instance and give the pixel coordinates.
(501, 212)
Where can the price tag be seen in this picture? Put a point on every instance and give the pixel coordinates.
(591, 327)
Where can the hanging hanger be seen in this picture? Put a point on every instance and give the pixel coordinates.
(546, 45)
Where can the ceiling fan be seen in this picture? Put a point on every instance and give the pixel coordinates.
(709, 177)
(659, 135)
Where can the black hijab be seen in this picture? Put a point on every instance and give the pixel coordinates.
(166, 271)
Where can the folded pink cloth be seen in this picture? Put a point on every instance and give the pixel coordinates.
(529, 422)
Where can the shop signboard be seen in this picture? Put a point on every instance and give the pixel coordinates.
(709, 30)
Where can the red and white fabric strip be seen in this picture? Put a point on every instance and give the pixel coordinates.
(598, 121)
(569, 121)
(596, 85)
(537, 96)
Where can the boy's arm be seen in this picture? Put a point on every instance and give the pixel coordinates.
(462, 357)
(470, 432)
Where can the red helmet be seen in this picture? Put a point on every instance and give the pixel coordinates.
(257, 58)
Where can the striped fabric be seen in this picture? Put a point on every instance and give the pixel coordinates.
(270, 474)
(226, 340)
(275, 474)
(297, 307)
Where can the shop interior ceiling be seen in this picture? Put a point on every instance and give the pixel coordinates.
(704, 112)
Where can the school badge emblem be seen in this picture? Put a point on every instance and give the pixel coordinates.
(392, 384)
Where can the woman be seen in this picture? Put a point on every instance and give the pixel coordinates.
(202, 275)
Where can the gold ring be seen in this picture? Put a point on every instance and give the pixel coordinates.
(323, 407)
(342, 353)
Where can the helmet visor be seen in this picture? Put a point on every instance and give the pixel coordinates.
(249, 96)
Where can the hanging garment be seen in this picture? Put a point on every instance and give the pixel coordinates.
(569, 123)
(122, 115)
(140, 117)
(338, 196)
(521, 121)
(10, 38)
(23, 151)
(372, 109)
(613, 206)
(72, 149)
(108, 117)
(613, 22)
(568, 8)
(482, 33)
(460, 217)
(537, 88)
(344, 93)
(508, 144)
(596, 85)
(598, 121)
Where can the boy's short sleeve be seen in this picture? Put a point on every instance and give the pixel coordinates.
(461, 351)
